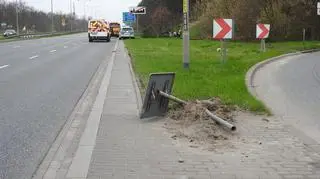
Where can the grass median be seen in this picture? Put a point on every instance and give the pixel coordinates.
(207, 76)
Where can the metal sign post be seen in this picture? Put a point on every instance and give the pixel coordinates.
(137, 19)
(304, 37)
(262, 32)
(263, 45)
(136, 11)
(223, 51)
(223, 29)
(186, 35)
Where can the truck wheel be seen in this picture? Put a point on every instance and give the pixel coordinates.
(90, 40)
(108, 39)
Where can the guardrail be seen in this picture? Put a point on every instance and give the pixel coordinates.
(38, 35)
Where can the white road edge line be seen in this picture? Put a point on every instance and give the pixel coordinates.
(33, 57)
(53, 51)
(4, 66)
(81, 161)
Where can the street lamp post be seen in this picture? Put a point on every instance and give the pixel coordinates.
(84, 11)
(52, 27)
(17, 17)
(71, 15)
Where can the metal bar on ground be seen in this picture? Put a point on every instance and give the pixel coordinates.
(172, 97)
(221, 121)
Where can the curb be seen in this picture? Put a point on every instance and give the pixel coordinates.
(254, 69)
(135, 80)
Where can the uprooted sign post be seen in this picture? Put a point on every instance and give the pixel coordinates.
(223, 29)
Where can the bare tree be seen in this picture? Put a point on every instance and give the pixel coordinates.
(160, 18)
(34, 20)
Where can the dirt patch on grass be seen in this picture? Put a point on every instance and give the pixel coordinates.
(191, 123)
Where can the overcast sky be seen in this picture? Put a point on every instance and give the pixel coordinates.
(111, 10)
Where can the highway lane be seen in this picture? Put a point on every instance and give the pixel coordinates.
(291, 88)
(31, 48)
(37, 95)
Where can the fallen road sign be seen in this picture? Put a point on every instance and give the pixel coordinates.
(154, 104)
(222, 28)
(263, 31)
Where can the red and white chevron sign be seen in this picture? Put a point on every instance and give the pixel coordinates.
(263, 31)
(222, 28)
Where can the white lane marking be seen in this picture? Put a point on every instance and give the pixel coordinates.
(17, 46)
(33, 57)
(53, 51)
(4, 66)
(65, 47)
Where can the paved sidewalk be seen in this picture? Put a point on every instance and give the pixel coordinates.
(126, 147)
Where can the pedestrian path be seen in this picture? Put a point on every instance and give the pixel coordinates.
(127, 147)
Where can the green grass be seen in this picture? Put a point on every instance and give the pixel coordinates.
(207, 76)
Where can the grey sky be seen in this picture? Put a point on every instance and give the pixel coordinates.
(111, 10)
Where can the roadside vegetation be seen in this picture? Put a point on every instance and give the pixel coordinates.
(32, 20)
(207, 76)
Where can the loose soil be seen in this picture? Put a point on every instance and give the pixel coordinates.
(190, 122)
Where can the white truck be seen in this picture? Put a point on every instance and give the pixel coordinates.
(98, 29)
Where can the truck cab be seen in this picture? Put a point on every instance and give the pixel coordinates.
(98, 29)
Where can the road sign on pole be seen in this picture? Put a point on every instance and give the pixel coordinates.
(223, 29)
(138, 10)
(262, 32)
(127, 17)
(186, 35)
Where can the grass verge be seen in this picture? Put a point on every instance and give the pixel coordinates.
(207, 77)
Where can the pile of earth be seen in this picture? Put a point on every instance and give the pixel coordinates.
(191, 122)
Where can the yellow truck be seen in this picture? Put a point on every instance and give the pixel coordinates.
(98, 29)
(115, 29)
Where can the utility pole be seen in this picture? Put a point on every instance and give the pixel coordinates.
(52, 27)
(85, 13)
(71, 15)
(73, 12)
(17, 17)
(186, 36)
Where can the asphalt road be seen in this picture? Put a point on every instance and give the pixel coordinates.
(40, 83)
(291, 88)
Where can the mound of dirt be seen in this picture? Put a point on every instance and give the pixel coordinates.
(192, 123)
